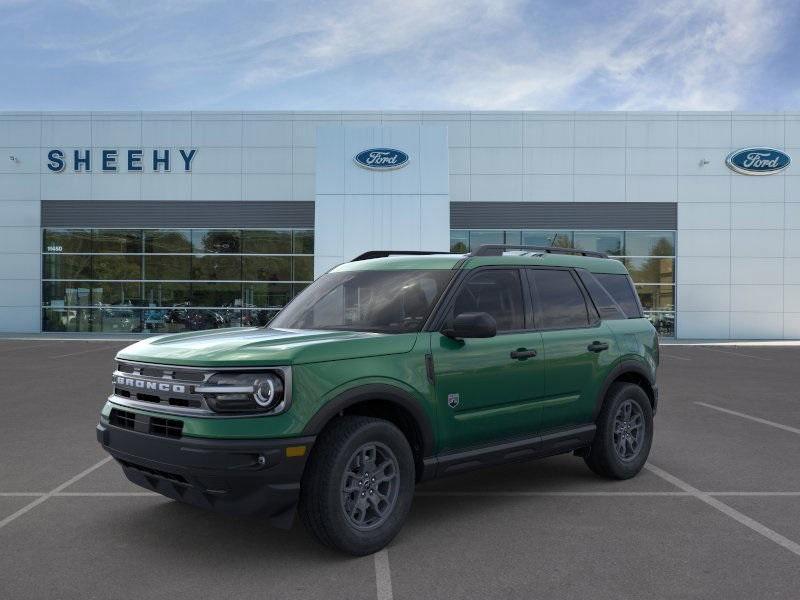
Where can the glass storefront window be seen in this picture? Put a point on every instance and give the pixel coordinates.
(226, 241)
(267, 242)
(170, 280)
(168, 241)
(648, 255)
(123, 241)
(559, 239)
(609, 242)
(649, 243)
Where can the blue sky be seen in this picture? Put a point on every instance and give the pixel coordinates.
(385, 54)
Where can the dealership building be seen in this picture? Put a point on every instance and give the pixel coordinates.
(118, 222)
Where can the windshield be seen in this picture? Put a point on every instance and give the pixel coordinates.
(378, 301)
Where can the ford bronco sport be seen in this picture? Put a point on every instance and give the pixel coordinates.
(388, 370)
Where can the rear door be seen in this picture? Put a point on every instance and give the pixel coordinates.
(488, 389)
(578, 347)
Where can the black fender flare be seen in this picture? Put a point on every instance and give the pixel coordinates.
(622, 368)
(375, 391)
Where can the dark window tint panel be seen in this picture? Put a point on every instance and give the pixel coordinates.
(164, 266)
(606, 306)
(75, 266)
(117, 267)
(216, 267)
(216, 294)
(561, 302)
(303, 268)
(168, 241)
(267, 268)
(558, 239)
(479, 238)
(67, 240)
(117, 240)
(656, 297)
(621, 289)
(498, 293)
(651, 270)
(459, 241)
(167, 294)
(267, 295)
(304, 241)
(267, 242)
(225, 241)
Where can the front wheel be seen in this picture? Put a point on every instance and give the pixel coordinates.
(357, 488)
(624, 433)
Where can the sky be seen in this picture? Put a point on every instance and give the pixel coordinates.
(400, 55)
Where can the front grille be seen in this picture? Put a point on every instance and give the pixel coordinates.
(171, 428)
(122, 418)
(167, 386)
(158, 473)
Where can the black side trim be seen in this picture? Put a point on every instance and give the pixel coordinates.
(374, 391)
(622, 368)
(548, 444)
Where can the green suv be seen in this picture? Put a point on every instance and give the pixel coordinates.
(392, 369)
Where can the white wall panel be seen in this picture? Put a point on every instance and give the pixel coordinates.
(703, 325)
(704, 242)
(166, 186)
(19, 292)
(754, 298)
(166, 133)
(19, 133)
(116, 134)
(20, 319)
(757, 242)
(704, 270)
(459, 161)
(66, 186)
(115, 186)
(757, 270)
(596, 134)
(270, 186)
(495, 133)
(217, 187)
(16, 240)
(704, 188)
(67, 132)
(704, 215)
(702, 161)
(599, 188)
(496, 188)
(548, 161)
(761, 132)
(267, 133)
(757, 325)
(652, 134)
(600, 161)
(19, 213)
(547, 188)
(702, 297)
(496, 161)
(704, 134)
(652, 161)
(268, 160)
(757, 215)
(545, 133)
(217, 133)
(651, 188)
(19, 186)
(758, 189)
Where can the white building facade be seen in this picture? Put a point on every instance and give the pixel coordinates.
(156, 222)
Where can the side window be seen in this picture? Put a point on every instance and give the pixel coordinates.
(606, 305)
(497, 292)
(621, 289)
(561, 301)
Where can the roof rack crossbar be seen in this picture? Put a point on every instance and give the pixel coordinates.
(498, 249)
(384, 253)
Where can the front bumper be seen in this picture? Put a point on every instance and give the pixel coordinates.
(241, 477)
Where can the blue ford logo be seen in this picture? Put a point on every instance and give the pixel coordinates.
(381, 159)
(758, 161)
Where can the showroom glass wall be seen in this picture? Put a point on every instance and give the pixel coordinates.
(169, 280)
(648, 255)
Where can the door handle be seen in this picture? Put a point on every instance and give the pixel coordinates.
(522, 354)
(596, 346)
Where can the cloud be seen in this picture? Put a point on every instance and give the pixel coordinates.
(445, 54)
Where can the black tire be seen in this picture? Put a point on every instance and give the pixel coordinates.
(324, 501)
(606, 455)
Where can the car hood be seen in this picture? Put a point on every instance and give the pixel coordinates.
(264, 347)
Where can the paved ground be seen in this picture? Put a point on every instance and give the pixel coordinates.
(715, 515)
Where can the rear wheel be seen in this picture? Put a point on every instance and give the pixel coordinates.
(357, 488)
(624, 433)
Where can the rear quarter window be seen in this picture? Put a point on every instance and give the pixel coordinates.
(605, 304)
(621, 289)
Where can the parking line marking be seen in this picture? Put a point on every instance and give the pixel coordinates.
(751, 418)
(383, 575)
(734, 353)
(105, 494)
(21, 494)
(734, 514)
(83, 352)
(43, 498)
(547, 494)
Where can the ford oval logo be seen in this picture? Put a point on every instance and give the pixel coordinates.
(381, 159)
(758, 161)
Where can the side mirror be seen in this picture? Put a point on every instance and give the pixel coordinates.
(472, 325)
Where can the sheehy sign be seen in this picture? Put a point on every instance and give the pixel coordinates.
(111, 161)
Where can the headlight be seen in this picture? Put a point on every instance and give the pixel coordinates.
(244, 392)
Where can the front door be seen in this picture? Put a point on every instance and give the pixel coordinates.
(488, 389)
(578, 348)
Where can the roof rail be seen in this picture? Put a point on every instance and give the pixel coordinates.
(498, 249)
(384, 253)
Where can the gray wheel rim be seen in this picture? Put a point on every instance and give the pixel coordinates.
(629, 430)
(369, 486)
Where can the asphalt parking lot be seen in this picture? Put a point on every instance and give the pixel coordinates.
(716, 513)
